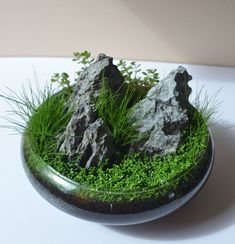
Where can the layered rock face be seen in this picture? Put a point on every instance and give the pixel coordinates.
(86, 134)
(162, 115)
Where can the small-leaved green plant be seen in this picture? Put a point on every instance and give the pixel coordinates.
(84, 59)
(134, 74)
(63, 80)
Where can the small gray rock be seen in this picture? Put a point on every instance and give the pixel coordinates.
(72, 136)
(97, 145)
(163, 114)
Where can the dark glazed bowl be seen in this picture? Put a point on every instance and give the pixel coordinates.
(85, 203)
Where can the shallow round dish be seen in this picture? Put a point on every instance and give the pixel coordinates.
(85, 203)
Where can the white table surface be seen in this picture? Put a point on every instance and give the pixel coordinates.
(26, 218)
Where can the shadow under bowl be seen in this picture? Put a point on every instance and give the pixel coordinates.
(89, 204)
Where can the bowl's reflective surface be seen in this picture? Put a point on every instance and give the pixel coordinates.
(85, 203)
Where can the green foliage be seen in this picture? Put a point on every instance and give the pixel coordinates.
(48, 121)
(42, 116)
(134, 74)
(84, 59)
(24, 104)
(207, 105)
(62, 80)
(116, 109)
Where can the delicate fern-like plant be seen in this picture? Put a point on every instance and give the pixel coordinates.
(135, 75)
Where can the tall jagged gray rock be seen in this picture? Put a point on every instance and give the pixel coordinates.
(163, 114)
(85, 134)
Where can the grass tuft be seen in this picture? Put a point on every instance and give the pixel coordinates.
(41, 115)
(116, 109)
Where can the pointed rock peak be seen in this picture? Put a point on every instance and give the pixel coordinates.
(163, 114)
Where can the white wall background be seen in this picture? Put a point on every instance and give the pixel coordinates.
(188, 31)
